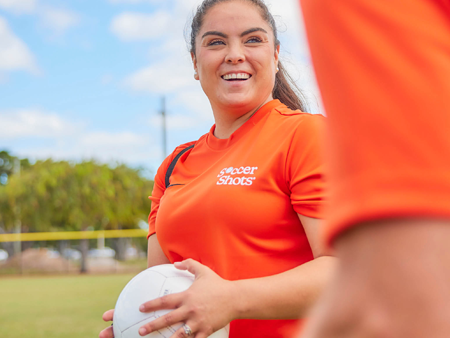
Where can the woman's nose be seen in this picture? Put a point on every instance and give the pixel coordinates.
(235, 55)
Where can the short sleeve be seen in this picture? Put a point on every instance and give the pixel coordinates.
(305, 166)
(159, 187)
(157, 193)
(385, 87)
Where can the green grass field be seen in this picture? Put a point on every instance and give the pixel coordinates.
(51, 307)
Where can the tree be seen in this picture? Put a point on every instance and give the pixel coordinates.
(55, 196)
(10, 164)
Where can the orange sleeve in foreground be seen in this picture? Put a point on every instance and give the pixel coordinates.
(383, 68)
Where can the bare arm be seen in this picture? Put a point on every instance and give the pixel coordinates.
(400, 271)
(155, 255)
(263, 298)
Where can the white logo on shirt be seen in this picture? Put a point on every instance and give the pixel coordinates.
(227, 176)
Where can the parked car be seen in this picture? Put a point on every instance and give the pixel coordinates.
(3, 255)
(101, 253)
(71, 254)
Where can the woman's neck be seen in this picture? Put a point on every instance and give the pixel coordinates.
(228, 122)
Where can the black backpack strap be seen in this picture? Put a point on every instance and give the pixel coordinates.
(173, 163)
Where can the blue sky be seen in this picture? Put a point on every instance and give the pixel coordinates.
(83, 79)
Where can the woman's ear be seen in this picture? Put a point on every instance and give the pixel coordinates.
(194, 62)
(276, 59)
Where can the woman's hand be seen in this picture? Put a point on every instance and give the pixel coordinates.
(205, 307)
(108, 332)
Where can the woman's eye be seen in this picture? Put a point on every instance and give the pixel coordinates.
(216, 43)
(254, 40)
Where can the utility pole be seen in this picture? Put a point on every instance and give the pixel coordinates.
(164, 129)
(18, 223)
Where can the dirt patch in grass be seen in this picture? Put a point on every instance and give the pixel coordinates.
(44, 261)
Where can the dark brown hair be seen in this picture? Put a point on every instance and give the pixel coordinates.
(285, 89)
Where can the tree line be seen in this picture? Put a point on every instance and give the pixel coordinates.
(66, 196)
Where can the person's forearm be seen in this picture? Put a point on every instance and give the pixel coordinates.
(288, 295)
(391, 273)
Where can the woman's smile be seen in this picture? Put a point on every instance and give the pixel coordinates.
(236, 76)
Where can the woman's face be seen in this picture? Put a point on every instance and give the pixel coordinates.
(236, 58)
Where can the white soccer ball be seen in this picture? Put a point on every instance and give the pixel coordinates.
(152, 283)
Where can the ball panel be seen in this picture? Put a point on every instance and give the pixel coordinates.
(148, 285)
(169, 270)
(132, 332)
(175, 285)
(135, 293)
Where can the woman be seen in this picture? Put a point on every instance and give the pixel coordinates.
(243, 204)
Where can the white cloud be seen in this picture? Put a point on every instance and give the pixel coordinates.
(50, 135)
(164, 77)
(14, 53)
(18, 6)
(33, 123)
(195, 100)
(112, 146)
(106, 146)
(78, 147)
(174, 122)
(130, 26)
(57, 19)
(113, 140)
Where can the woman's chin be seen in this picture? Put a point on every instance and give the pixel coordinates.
(237, 102)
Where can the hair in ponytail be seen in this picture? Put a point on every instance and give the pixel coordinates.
(285, 89)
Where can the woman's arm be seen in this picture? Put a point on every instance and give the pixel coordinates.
(392, 281)
(212, 302)
(291, 294)
(155, 255)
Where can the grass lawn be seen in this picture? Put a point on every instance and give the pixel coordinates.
(51, 307)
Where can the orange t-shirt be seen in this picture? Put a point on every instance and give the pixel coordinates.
(233, 203)
(383, 68)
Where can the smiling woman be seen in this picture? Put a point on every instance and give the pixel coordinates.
(245, 43)
(242, 208)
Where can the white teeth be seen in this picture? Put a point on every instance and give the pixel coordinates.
(236, 76)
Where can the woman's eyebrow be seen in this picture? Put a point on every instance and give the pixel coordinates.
(215, 33)
(223, 35)
(252, 30)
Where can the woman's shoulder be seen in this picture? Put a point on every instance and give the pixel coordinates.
(182, 147)
(283, 110)
(297, 118)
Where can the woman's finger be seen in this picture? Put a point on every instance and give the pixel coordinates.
(186, 331)
(108, 315)
(192, 266)
(173, 317)
(162, 303)
(107, 333)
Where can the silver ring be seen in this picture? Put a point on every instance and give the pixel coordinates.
(187, 330)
